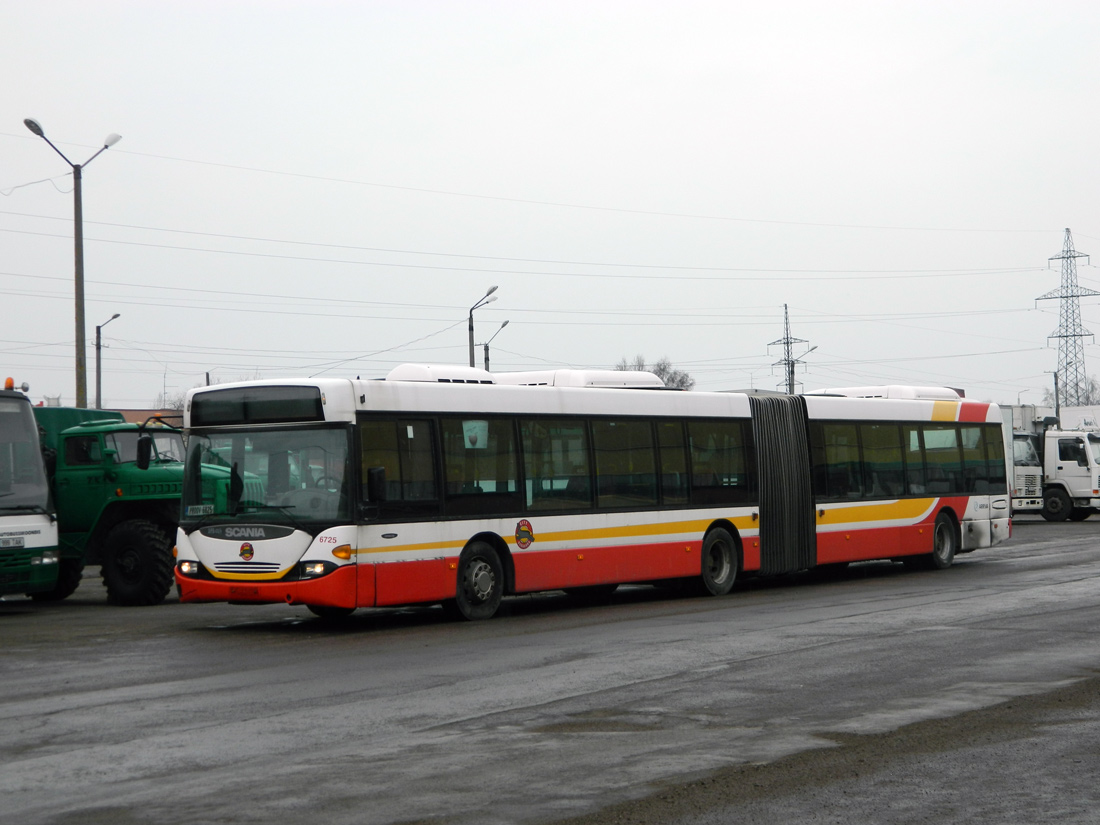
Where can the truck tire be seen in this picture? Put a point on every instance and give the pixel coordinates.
(69, 574)
(1057, 505)
(1080, 513)
(137, 563)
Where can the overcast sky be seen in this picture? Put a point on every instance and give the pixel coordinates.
(310, 188)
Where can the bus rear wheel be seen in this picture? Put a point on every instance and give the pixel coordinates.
(480, 585)
(945, 543)
(719, 562)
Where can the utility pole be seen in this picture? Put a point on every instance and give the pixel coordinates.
(1071, 382)
(789, 360)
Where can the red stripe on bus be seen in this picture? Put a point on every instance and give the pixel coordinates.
(972, 411)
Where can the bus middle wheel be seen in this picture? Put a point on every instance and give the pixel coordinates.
(719, 562)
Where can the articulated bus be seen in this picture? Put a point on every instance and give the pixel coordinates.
(28, 528)
(455, 486)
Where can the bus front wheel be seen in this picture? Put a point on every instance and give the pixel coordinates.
(480, 582)
(719, 562)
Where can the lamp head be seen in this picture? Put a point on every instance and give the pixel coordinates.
(492, 289)
(110, 140)
(34, 126)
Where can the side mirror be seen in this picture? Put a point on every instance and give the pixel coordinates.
(144, 451)
(376, 484)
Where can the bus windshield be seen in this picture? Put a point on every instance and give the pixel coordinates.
(288, 474)
(22, 480)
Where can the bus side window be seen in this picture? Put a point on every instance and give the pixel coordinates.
(555, 463)
(626, 463)
(837, 468)
(720, 462)
(882, 465)
(480, 466)
(673, 452)
(943, 460)
(995, 455)
(975, 465)
(404, 449)
(914, 460)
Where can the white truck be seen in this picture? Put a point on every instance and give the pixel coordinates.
(1055, 472)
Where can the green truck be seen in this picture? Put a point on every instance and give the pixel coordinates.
(116, 488)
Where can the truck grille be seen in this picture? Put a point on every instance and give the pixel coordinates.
(1029, 485)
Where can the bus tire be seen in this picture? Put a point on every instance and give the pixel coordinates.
(480, 584)
(1057, 505)
(945, 543)
(719, 562)
(137, 564)
(69, 574)
(1080, 513)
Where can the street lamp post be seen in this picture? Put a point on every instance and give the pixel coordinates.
(98, 371)
(485, 299)
(78, 239)
(486, 345)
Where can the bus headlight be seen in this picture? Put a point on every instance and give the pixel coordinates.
(189, 568)
(47, 557)
(313, 568)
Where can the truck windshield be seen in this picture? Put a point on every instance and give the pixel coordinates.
(22, 478)
(167, 445)
(286, 474)
(1024, 453)
(1094, 447)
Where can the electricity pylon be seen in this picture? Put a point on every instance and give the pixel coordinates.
(1071, 381)
(789, 360)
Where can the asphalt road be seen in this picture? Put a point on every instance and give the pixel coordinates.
(882, 695)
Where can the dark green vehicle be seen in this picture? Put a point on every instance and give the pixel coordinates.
(117, 504)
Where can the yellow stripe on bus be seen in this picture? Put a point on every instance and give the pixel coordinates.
(743, 523)
(945, 410)
(909, 509)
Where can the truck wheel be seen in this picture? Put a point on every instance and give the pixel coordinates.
(1057, 505)
(1080, 513)
(69, 573)
(137, 563)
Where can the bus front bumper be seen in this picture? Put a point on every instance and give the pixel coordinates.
(335, 589)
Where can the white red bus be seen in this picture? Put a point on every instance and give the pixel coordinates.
(28, 524)
(452, 486)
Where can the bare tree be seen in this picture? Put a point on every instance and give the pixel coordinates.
(170, 401)
(1090, 392)
(677, 379)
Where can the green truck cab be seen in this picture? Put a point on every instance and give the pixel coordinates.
(117, 500)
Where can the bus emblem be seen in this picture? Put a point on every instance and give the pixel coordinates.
(525, 534)
(246, 551)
